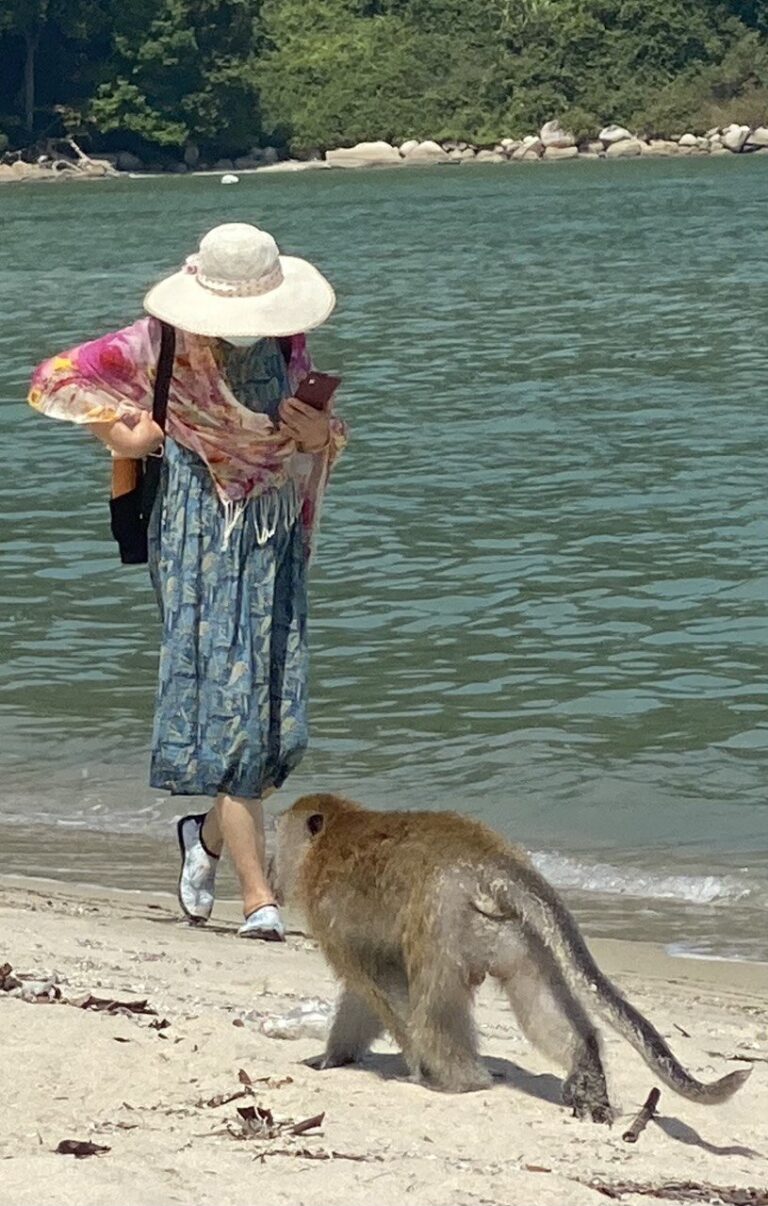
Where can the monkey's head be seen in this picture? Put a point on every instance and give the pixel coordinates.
(299, 828)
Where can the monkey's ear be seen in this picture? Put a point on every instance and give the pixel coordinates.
(316, 823)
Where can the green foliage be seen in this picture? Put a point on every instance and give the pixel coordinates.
(734, 89)
(184, 76)
(340, 70)
(225, 74)
(330, 79)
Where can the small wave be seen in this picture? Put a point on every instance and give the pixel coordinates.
(605, 879)
(681, 950)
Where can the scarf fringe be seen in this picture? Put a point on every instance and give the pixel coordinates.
(276, 510)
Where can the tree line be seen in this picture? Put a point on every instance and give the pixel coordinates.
(157, 77)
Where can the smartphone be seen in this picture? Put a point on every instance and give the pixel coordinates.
(317, 389)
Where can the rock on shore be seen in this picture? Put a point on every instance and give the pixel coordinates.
(365, 154)
(552, 144)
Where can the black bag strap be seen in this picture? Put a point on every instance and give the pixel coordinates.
(164, 374)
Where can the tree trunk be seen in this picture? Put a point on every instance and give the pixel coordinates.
(31, 40)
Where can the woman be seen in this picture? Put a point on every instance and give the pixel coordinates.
(244, 468)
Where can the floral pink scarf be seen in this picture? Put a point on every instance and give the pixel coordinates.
(113, 376)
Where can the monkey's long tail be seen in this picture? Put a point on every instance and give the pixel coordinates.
(527, 896)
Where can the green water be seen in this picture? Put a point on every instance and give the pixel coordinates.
(541, 589)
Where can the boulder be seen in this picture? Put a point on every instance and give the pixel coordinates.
(489, 157)
(530, 148)
(223, 165)
(612, 134)
(245, 163)
(688, 140)
(427, 152)
(552, 153)
(409, 145)
(365, 154)
(177, 169)
(661, 147)
(192, 155)
(552, 134)
(714, 132)
(126, 161)
(270, 155)
(25, 171)
(7, 174)
(758, 137)
(734, 137)
(625, 148)
(510, 144)
(594, 148)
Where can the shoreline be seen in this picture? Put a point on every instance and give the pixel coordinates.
(292, 166)
(156, 1095)
(696, 910)
(623, 954)
(557, 146)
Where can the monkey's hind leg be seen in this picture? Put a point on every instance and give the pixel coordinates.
(443, 1038)
(557, 1024)
(355, 1027)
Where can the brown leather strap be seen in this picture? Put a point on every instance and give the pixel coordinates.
(164, 374)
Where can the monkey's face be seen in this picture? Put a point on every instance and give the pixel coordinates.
(291, 847)
(297, 832)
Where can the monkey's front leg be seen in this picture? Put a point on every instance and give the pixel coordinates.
(355, 1027)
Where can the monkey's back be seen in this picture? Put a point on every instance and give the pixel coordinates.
(374, 876)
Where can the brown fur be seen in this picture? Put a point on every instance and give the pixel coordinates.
(414, 909)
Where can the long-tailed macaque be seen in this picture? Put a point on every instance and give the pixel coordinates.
(414, 909)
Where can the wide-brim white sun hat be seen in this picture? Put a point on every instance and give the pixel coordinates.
(238, 285)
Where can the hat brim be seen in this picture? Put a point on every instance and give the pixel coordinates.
(303, 301)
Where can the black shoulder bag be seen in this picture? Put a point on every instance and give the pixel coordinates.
(131, 507)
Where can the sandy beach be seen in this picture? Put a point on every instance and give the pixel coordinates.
(152, 1093)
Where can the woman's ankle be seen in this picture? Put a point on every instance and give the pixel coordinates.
(251, 904)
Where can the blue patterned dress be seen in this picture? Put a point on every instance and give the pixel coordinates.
(231, 707)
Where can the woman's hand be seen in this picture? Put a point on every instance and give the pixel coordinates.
(143, 437)
(310, 428)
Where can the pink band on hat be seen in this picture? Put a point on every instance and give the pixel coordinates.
(252, 287)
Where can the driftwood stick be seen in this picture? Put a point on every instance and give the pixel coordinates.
(643, 1118)
(81, 155)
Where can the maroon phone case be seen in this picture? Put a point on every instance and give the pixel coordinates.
(317, 389)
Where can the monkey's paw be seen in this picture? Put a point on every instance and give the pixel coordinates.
(458, 1080)
(585, 1092)
(321, 1063)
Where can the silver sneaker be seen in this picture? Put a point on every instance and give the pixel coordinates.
(265, 923)
(198, 870)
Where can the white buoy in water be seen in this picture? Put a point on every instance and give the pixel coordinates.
(230, 179)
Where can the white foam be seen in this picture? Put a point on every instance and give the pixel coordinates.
(606, 879)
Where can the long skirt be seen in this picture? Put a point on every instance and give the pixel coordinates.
(231, 706)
